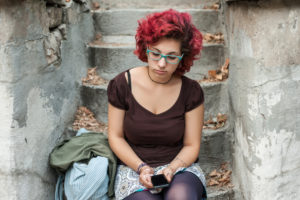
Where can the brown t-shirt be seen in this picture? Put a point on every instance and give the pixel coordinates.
(155, 138)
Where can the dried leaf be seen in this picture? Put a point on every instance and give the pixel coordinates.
(213, 38)
(84, 118)
(92, 78)
(212, 182)
(212, 73)
(213, 173)
(217, 75)
(96, 5)
(221, 118)
(215, 6)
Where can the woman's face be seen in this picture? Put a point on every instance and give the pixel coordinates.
(162, 69)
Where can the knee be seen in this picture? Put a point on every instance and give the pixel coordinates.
(178, 192)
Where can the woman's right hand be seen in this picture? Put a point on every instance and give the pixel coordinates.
(145, 176)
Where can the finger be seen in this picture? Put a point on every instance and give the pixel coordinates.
(146, 181)
(168, 176)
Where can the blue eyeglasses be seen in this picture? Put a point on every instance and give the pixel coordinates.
(172, 59)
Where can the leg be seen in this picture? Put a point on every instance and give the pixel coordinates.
(144, 195)
(184, 186)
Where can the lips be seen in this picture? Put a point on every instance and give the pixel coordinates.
(160, 71)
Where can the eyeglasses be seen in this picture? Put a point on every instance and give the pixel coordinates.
(172, 59)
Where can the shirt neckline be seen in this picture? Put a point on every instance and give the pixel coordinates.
(146, 110)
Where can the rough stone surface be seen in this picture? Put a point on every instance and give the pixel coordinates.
(126, 20)
(112, 4)
(55, 16)
(16, 20)
(264, 92)
(38, 99)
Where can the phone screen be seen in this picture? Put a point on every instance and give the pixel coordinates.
(159, 181)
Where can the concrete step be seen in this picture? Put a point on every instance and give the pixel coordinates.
(223, 193)
(215, 148)
(113, 4)
(215, 94)
(112, 58)
(125, 21)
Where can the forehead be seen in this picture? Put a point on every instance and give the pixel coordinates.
(166, 45)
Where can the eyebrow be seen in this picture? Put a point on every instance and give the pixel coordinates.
(172, 52)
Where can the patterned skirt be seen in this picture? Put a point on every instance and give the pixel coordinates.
(127, 180)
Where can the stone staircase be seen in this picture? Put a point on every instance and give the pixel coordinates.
(112, 52)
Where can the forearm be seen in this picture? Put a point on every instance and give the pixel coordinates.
(124, 152)
(187, 156)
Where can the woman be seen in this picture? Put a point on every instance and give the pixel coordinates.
(155, 114)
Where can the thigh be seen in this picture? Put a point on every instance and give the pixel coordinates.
(144, 195)
(184, 186)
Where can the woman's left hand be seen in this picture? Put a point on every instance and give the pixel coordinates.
(168, 172)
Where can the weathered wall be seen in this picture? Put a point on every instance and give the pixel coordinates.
(43, 56)
(264, 88)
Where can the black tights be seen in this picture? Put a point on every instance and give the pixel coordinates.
(184, 186)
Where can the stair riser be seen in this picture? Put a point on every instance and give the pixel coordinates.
(106, 4)
(111, 61)
(124, 22)
(214, 150)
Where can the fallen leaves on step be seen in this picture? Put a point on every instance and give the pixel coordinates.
(96, 5)
(85, 118)
(97, 40)
(220, 177)
(216, 122)
(215, 6)
(217, 75)
(213, 38)
(92, 78)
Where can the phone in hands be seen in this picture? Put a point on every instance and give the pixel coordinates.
(159, 181)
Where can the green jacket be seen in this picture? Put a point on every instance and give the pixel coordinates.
(81, 149)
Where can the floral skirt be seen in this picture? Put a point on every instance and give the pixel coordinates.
(127, 180)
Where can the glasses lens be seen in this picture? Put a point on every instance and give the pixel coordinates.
(172, 59)
(157, 56)
(154, 55)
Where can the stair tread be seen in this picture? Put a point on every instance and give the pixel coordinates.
(218, 191)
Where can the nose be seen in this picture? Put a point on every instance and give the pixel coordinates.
(162, 62)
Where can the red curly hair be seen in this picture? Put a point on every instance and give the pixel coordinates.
(169, 24)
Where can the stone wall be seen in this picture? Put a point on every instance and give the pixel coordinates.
(43, 56)
(264, 89)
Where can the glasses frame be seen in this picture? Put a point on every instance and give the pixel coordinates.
(164, 56)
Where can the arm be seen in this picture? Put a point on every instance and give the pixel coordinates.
(191, 142)
(119, 145)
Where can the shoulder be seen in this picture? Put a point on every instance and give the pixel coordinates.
(191, 84)
(193, 93)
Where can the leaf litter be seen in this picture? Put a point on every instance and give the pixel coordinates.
(215, 6)
(213, 38)
(93, 78)
(220, 177)
(217, 75)
(84, 118)
(216, 122)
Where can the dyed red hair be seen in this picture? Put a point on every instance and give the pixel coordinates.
(169, 24)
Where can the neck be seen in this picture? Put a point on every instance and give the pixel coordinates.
(158, 82)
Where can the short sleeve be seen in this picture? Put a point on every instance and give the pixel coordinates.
(115, 93)
(195, 96)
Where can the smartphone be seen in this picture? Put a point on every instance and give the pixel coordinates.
(159, 181)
